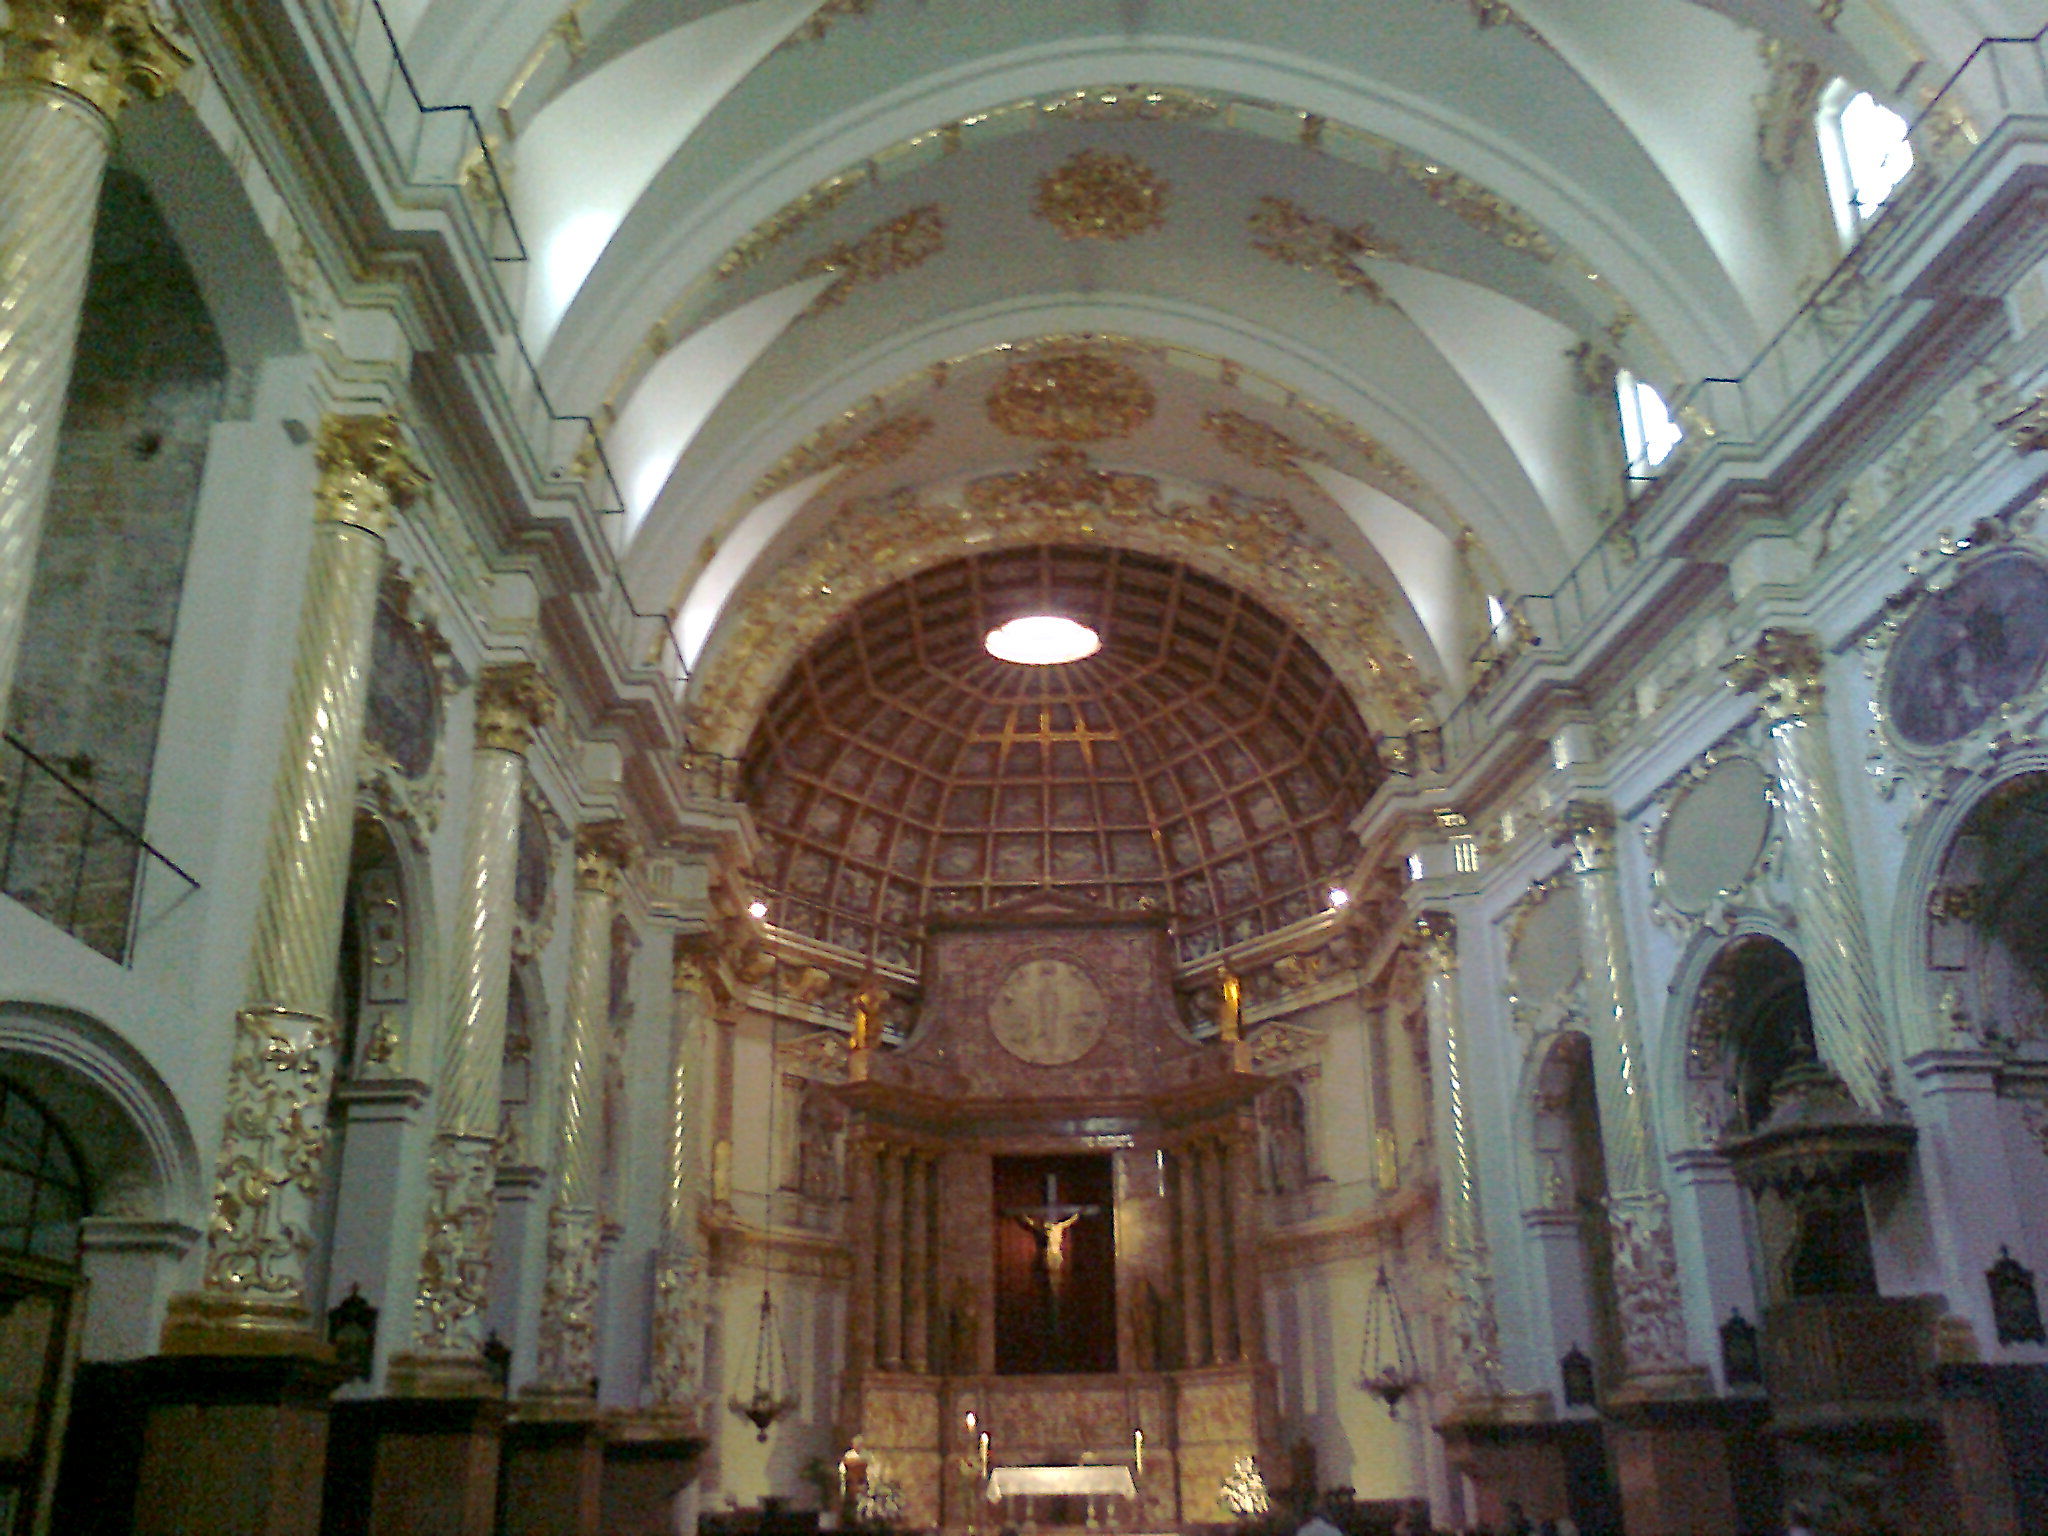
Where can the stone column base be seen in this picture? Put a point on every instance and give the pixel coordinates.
(231, 1445)
(1701, 1467)
(551, 1469)
(434, 1471)
(648, 1460)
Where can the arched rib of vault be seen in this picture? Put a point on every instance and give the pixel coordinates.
(739, 172)
(670, 545)
(874, 545)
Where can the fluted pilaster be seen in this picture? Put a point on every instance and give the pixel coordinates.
(65, 71)
(446, 1353)
(1784, 669)
(274, 1138)
(1645, 1266)
(1475, 1330)
(566, 1360)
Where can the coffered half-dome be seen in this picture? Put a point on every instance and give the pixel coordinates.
(1205, 762)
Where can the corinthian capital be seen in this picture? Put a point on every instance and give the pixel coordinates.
(512, 703)
(604, 849)
(102, 50)
(1437, 932)
(1783, 670)
(367, 476)
(1588, 825)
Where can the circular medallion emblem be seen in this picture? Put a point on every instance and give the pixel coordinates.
(1047, 1012)
(1968, 650)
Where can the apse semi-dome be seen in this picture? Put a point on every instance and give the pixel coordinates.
(1204, 762)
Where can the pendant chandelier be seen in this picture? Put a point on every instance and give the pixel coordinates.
(766, 1406)
(1389, 1370)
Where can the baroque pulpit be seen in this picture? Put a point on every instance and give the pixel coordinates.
(1052, 1233)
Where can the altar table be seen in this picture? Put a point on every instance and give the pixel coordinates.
(1026, 1485)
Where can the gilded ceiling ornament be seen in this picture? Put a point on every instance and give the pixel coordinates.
(1070, 397)
(1259, 546)
(1130, 103)
(1380, 460)
(1287, 232)
(1786, 106)
(1487, 212)
(1260, 445)
(754, 246)
(831, 448)
(909, 240)
(1783, 669)
(103, 50)
(1498, 13)
(824, 18)
(1098, 195)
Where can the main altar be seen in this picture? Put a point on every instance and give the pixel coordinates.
(1050, 1209)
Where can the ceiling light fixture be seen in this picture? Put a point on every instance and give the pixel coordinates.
(1339, 897)
(1042, 640)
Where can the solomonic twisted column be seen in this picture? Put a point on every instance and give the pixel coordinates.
(567, 1357)
(1475, 1329)
(66, 69)
(1784, 670)
(676, 1271)
(1646, 1286)
(445, 1358)
(274, 1141)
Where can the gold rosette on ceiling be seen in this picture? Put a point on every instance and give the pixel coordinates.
(1070, 397)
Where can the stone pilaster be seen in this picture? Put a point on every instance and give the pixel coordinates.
(677, 1272)
(274, 1137)
(1784, 669)
(445, 1357)
(1191, 1252)
(65, 72)
(889, 1319)
(566, 1364)
(1645, 1268)
(1475, 1329)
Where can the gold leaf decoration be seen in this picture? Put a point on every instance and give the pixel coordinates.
(908, 240)
(1485, 211)
(1287, 232)
(1097, 195)
(755, 245)
(882, 444)
(1131, 104)
(1258, 444)
(1070, 397)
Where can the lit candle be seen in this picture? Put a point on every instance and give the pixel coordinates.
(984, 1455)
(1138, 1449)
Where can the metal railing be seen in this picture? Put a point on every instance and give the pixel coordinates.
(2002, 77)
(74, 863)
(442, 147)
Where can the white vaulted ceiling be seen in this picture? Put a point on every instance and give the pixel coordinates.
(785, 250)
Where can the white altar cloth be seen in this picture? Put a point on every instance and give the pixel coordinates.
(1093, 1482)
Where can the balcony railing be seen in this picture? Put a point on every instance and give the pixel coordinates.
(71, 861)
(2002, 78)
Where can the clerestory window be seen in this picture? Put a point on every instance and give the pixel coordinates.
(1648, 433)
(1865, 154)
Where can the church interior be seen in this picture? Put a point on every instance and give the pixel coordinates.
(1101, 766)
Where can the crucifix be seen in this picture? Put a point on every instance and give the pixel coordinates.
(1048, 1225)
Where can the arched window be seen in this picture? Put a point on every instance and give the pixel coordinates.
(1864, 153)
(1647, 431)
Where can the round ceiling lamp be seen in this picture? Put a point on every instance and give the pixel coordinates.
(1042, 640)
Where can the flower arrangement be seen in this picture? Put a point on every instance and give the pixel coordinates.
(880, 1502)
(1244, 1491)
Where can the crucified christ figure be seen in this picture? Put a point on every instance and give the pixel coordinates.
(1048, 1225)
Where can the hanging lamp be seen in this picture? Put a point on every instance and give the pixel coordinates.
(1388, 1370)
(764, 1407)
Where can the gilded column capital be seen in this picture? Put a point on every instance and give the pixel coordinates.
(693, 969)
(513, 702)
(604, 851)
(1437, 934)
(104, 51)
(367, 475)
(1783, 669)
(1588, 825)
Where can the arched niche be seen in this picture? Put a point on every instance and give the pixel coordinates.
(1985, 917)
(1569, 1173)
